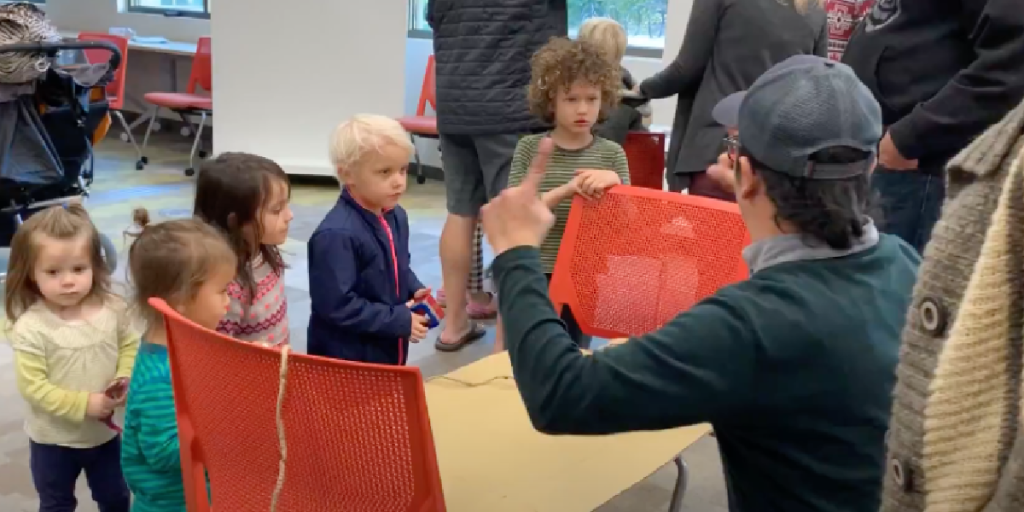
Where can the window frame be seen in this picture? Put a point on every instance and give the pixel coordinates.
(164, 11)
(419, 33)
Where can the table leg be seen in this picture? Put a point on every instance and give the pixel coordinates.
(147, 112)
(187, 129)
(174, 72)
(682, 479)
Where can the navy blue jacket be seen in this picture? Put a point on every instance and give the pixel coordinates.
(358, 314)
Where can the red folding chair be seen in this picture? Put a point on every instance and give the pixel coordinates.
(358, 435)
(422, 125)
(645, 152)
(632, 261)
(187, 104)
(116, 88)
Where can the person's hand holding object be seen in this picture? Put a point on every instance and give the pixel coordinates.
(518, 216)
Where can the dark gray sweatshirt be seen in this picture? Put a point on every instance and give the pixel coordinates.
(728, 44)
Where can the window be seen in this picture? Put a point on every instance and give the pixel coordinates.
(184, 8)
(644, 21)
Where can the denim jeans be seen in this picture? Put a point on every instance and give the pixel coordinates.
(911, 203)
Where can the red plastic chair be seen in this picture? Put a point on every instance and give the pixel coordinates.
(188, 103)
(116, 88)
(358, 435)
(422, 125)
(645, 152)
(632, 261)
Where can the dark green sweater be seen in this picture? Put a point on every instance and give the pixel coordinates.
(793, 367)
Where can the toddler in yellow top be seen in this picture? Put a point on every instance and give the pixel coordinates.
(73, 352)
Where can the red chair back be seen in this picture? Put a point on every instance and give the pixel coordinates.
(428, 93)
(358, 435)
(202, 67)
(632, 261)
(645, 152)
(115, 89)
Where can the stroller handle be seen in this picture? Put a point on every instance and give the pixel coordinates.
(53, 48)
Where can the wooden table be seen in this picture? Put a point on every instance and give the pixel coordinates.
(492, 459)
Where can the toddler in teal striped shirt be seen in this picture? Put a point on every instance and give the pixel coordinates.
(189, 265)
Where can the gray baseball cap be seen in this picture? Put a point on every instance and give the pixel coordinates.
(800, 106)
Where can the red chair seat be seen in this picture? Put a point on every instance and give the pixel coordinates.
(419, 125)
(179, 100)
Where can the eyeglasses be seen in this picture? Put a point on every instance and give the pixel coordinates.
(732, 147)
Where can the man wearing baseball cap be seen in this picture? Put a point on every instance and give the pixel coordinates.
(794, 367)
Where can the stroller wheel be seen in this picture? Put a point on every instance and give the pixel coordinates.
(190, 172)
(202, 154)
(421, 179)
(144, 160)
(109, 252)
(140, 165)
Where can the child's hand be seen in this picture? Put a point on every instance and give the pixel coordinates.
(117, 390)
(100, 406)
(419, 328)
(420, 294)
(592, 183)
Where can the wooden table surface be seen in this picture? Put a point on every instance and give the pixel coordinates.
(492, 459)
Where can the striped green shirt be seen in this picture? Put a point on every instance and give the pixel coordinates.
(600, 154)
(149, 445)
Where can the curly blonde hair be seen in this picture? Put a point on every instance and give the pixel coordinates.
(563, 62)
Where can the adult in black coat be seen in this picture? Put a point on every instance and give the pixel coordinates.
(482, 50)
(728, 44)
(943, 72)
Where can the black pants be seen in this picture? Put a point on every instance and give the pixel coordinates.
(573, 328)
(55, 470)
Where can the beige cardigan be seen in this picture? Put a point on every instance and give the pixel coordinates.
(955, 442)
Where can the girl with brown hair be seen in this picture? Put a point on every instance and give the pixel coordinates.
(74, 348)
(246, 196)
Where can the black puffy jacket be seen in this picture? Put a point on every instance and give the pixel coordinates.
(482, 50)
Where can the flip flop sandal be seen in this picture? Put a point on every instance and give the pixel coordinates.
(475, 332)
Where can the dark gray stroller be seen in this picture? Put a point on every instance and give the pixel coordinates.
(47, 131)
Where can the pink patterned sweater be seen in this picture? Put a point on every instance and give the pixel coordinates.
(265, 319)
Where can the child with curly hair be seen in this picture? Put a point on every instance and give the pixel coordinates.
(573, 87)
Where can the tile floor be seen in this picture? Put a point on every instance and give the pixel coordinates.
(167, 193)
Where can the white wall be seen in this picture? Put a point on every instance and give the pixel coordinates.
(100, 15)
(241, 19)
(281, 96)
